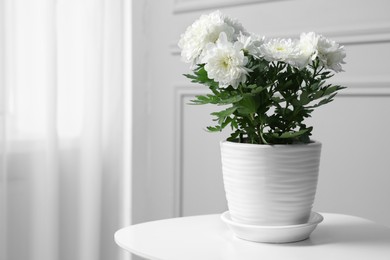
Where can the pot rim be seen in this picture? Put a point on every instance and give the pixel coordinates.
(265, 146)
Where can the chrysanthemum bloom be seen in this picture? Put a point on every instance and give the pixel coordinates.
(306, 50)
(279, 49)
(251, 44)
(225, 62)
(207, 30)
(330, 54)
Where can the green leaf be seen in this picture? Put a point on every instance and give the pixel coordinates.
(234, 136)
(247, 105)
(318, 94)
(190, 76)
(214, 128)
(225, 113)
(291, 135)
(286, 85)
(227, 121)
(200, 76)
(304, 98)
(202, 100)
(230, 100)
(252, 86)
(316, 85)
(234, 123)
(257, 90)
(222, 115)
(331, 90)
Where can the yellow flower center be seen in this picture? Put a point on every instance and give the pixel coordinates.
(227, 60)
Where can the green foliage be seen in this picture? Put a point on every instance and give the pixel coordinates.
(271, 106)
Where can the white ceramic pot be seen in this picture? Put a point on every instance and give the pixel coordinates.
(270, 185)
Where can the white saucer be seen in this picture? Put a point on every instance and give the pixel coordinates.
(273, 234)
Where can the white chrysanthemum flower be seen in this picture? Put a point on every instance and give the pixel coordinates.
(279, 49)
(306, 50)
(225, 62)
(251, 44)
(207, 30)
(330, 54)
(237, 26)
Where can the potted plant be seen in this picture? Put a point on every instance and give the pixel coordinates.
(266, 88)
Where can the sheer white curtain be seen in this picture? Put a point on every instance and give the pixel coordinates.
(64, 128)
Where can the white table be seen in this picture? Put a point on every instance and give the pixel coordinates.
(208, 238)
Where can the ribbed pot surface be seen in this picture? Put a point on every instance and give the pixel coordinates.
(270, 184)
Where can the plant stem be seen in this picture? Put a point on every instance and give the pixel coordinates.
(259, 134)
(263, 141)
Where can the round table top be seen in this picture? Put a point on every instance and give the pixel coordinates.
(206, 237)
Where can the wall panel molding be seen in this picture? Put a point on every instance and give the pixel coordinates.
(364, 35)
(181, 93)
(350, 35)
(192, 6)
(365, 88)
